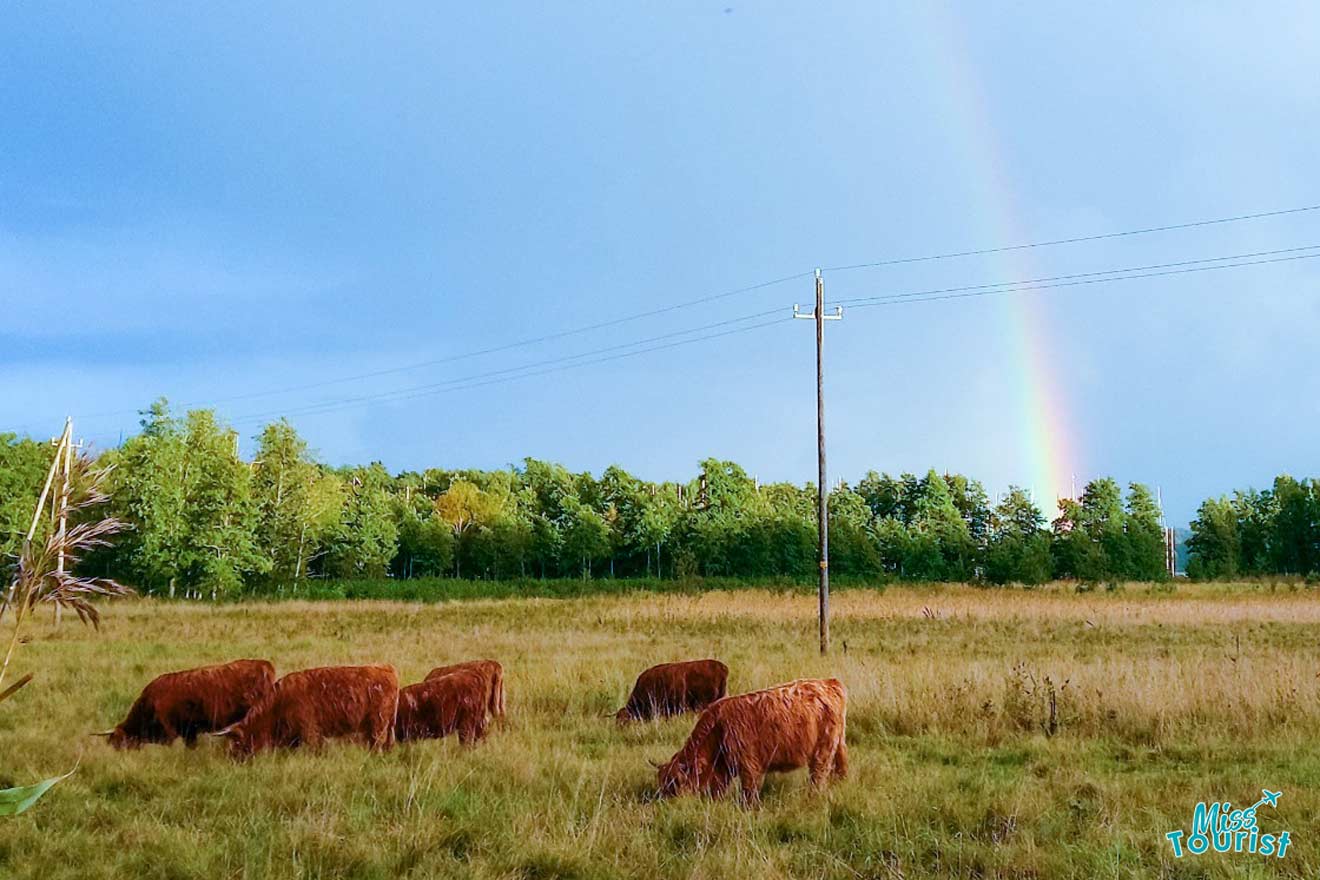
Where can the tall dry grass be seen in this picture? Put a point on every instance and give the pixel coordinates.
(992, 733)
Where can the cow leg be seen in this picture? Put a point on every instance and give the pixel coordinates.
(169, 733)
(473, 729)
(721, 774)
(381, 739)
(821, 764)
(840, 761)
(750, 779)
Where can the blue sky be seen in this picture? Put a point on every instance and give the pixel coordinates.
(215, 204)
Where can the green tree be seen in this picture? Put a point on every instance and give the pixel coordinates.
(883, 495)
(220, 516)
(1144, 553)
(426, 544)
(365, 539)
(464, 506)
(23, 467)
(1090, 536)
(1294, 530)
(1215, 545)
(188, 498)
(941, 543)
(148, 491)
(1255, 515)
(973, 505)
(549, 489)
(586, 536)
(852, 550)
(1019, 546)
(514, 538)
(894, 543)
(283, 481)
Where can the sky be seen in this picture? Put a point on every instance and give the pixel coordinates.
(331, 214)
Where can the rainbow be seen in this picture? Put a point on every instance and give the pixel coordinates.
(1048, 453)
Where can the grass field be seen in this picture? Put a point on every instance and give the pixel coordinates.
(1162, 699)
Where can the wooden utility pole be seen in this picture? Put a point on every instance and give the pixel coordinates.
(822, 487)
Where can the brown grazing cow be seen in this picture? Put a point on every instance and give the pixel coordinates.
(490, 671)
(311, 706)
(192, 702)
(802, 723)
(455, 702)
(673, 688)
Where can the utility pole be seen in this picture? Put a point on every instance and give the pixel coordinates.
(1170, 538)
(822, 487)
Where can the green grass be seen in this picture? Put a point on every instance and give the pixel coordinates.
(434, 589)
(1163, 699)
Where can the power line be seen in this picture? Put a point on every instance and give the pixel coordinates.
(1074, 240)
(494, 349)
(590, 357)
(917, 297)
(902, 299)
(404, 394)
(548, 361)
(1053, 278)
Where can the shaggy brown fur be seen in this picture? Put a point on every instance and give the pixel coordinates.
(455, 702)
(491, 672)
(799, 724)
(192, 702)
(311, 706)
(673, 688)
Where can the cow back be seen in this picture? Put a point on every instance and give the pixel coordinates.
(323, 703)
(454, 702)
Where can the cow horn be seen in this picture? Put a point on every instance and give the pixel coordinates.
(103, 732)
(228, 731)
(656, 764)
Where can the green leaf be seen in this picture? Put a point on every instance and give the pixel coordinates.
(15, 800)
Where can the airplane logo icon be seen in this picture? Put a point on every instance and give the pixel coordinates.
(1270, 797)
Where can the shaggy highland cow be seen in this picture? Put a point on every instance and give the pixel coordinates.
(674, 688)
(308, 707)
(192, 702)
(455, 702)
(491, 672)
(800, 724)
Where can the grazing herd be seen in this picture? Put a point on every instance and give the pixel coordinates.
(799, 724)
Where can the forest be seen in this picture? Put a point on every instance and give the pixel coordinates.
(203, 521)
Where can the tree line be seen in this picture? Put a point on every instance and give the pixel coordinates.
(1252, 533)
(203, 521)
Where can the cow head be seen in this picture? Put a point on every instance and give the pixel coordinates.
(118, 738)
(674, 777)
(241, 742)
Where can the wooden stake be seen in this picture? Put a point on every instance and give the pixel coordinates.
(64, 506)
